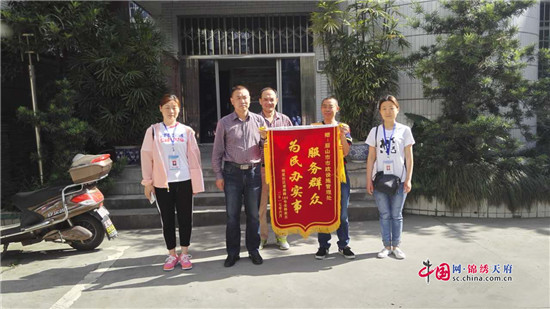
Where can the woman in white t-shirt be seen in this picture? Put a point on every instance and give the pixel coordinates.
(171, 170)
(390, 151)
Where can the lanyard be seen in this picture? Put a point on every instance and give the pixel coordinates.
(387, 143)
(171, 137)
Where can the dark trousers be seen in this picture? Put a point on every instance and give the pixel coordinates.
(242, 186)
(343, 229)
(178, 200)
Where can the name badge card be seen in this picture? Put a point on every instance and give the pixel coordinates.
(173, 161)
(388, 167)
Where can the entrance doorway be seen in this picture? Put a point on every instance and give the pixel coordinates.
(218, 76)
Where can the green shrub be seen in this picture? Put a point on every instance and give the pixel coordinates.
(463, 164)
(361, 43)
(474, 70)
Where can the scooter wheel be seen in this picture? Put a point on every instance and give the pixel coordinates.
(93, 225)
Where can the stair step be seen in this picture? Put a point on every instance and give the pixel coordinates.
(134, 218)
(133, 172)
(125, 219)
(125, 187)
(205, 199)
(130, 209)
(139, 201)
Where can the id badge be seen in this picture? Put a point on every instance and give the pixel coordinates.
(388, 167)
(173, 161)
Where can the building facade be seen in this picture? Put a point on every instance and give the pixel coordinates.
(219, 44)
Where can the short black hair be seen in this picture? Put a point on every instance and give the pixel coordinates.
(238, 87)
(268, 88)
(330, 98)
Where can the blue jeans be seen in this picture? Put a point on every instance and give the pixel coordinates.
(391, 215)
(242, 185)
(343, 229)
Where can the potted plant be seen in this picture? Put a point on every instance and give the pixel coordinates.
(358, 42)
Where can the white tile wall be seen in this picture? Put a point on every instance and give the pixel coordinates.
(411, 94)
(422, 207)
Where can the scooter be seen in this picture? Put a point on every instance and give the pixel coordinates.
(72, 214)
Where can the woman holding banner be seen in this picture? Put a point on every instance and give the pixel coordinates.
(390, 148)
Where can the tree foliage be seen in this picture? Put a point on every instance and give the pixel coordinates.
(476, 63)
(359, 42)
(466, 163)
(109, 79)
(63, 134)
(474, 69)
(113, 65)
(539, 102)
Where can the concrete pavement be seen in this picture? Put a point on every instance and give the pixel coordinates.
(126, 272)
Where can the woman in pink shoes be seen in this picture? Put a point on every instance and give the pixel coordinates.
(172, 174)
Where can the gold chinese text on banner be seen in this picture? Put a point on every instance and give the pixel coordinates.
(304, 167)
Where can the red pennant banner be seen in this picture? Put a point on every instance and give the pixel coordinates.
(303, 167)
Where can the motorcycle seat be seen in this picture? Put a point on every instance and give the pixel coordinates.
(25, 200)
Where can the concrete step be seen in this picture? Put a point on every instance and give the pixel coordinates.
(205, 199)
(125, 219)
(132, 201)
(133, 173)
(125, 186)
(215, 215)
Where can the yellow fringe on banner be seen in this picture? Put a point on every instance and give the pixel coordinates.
(267, 160)
(268, 177)
(341, 175)
(340, 158)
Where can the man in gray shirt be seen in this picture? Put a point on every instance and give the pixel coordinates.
(273, 119)
(239, 146)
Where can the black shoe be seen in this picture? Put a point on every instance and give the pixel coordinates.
(231, 260)
(347, 253)
(255, 257)
(322, 253)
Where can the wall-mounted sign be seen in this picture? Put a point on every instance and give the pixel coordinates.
(321, 64)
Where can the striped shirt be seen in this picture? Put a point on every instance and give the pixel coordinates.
(237, 141)
(279, 120)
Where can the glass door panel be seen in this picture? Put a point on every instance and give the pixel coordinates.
(291, 89)
(207, 100)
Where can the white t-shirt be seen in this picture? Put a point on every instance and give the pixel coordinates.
(402, 137)
(178, 170)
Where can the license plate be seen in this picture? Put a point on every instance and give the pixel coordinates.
(102, 211)
(109, 227)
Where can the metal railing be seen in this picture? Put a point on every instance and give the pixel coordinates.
(245, 35)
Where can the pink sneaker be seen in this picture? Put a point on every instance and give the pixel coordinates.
(170, 263)
(185, 261)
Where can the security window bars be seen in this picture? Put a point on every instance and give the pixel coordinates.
(245, 35)
(544, 29)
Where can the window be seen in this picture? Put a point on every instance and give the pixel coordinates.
(245, 35)
(544, 27)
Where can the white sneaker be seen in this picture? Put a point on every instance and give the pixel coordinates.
(283, 244)
(399, 254)
(384, 253)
